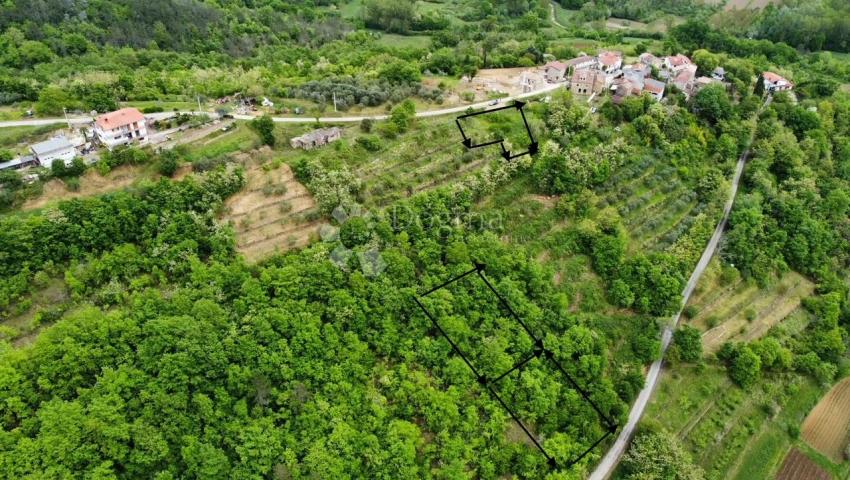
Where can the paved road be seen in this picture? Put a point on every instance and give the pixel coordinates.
(612, 457)
(300, 119)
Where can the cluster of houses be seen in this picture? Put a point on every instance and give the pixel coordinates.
(110, 130)
(589, 75)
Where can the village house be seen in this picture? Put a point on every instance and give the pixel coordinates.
(651, 60)
(121, 127)
(57, 148)
(555, 71)
(610, 61)
(624, 87)
(679, 63)
(316, 138)
(775, 83)
(581, 62)
(654, 88)
(587, 81)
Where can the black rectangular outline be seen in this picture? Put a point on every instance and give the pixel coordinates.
(539, 351)
(506, 154)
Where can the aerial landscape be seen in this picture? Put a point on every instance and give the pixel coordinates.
(430, 239)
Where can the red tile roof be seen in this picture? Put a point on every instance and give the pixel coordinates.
(679, 60)
(774, 78)
(119, 118)
(557, 65)
(610, 58)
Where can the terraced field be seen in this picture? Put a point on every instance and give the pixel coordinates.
(729, 432)
(274, 212)
(735, 310)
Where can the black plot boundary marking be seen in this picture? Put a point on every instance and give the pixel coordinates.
(506, 154)
(539, 352)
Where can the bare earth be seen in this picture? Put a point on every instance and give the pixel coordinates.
(266, 217)
(797, 466)
(91, 183)
(827, 428)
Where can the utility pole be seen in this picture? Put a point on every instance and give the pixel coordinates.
(334, 101)
(198, 97)
(65, 112)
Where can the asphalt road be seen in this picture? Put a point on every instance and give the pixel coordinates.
(300, 119)
(612, 457)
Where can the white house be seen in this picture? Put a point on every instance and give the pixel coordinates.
(610, 61)
(581, 62)
(775, 83)
(121, 127)
(57, 148)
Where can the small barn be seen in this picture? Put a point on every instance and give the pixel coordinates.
(316, 138)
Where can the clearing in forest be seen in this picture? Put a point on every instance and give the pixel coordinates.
(797, 466)
(274, 212)
(91, 183)
(827, 428)
(732, 309)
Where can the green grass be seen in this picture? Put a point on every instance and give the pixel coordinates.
(404, 41)
(13, 136)
(241, 138)
(167, 106)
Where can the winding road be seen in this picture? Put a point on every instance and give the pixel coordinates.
(612, 457)
(82, 120)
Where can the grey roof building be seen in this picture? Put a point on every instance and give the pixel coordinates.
(56, 148)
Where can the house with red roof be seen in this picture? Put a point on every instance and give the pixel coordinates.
(121, 127)
(555, 71)
(775, 83)
(678, 63)
(610, 61)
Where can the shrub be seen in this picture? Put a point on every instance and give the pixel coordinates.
(72, 184)
(750, 314)
(690, 311)
(167, 163)
(153, 109)
(366, 125)
(370, 143)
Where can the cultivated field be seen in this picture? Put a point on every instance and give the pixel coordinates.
(797, 466)
(731, 433)
(730, 309)
(274, 212)
(827, 428)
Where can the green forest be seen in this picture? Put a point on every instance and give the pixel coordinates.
(137, 340)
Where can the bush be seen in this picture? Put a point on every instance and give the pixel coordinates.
(366, 125)
(168, 163)
(369, 143)
(750, 314)
(72, 184)
(793, 430)
(152, 109)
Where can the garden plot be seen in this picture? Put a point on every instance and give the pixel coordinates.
(797, 466)
(274, 212)
(827, 428)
